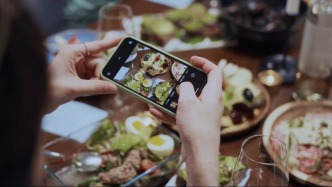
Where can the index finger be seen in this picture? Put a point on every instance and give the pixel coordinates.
(213, 89)
(98, 46)
(202, 63)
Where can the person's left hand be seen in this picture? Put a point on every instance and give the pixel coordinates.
(75, 72)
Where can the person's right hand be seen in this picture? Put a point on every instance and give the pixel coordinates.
(198, 122)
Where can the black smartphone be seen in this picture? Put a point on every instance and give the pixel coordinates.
(151, 74)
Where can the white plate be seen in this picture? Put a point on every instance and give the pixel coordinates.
(57, 40)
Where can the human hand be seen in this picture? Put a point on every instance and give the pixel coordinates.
(198, 122)
(75, 72)
(192, 112)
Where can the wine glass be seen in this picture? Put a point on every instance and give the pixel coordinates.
(262, 161)
(115, 20)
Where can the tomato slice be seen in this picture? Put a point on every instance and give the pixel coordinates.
(147, 164)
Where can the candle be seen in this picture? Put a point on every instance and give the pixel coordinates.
(292, 7)
(271, 79)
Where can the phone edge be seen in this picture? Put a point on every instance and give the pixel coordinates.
(123, 88)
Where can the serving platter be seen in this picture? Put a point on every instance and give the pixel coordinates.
(64, 171)
(298, 110)
(230, 131)
(190, 28)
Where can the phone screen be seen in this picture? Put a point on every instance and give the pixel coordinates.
(151, 73)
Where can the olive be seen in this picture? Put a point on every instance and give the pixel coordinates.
(247, 94)
(244, 109)
(236, 117)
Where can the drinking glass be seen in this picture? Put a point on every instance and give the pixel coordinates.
(262, 161)
(314, 68)
(115, 20)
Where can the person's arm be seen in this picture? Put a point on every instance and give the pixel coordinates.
(75, 72)
(198, 121)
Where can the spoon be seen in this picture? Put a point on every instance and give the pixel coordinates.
(84, 161)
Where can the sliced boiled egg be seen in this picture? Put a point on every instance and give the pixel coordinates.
(161, 145)
(134, 124)
(139, 76)
(147, 83)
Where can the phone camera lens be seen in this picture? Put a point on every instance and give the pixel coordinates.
(130, 42)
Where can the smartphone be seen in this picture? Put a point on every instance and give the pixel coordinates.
(150, 74)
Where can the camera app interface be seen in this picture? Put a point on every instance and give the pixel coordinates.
(155, 75)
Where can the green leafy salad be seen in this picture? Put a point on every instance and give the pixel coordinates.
(162, 91)
(139, 83)
(127, 149)
(226, 167)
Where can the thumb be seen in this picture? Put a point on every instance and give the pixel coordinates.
(96, 87)
(186, 92)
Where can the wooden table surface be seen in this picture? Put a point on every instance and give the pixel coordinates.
(243, 57)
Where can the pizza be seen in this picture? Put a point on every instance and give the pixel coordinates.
(155, 63)
(309, 141)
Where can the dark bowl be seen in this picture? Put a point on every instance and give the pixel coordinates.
(241, 23)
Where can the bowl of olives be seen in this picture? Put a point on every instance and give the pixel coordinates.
(261, 24)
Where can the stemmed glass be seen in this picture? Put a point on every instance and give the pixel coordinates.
(262, 161)
(115, 20)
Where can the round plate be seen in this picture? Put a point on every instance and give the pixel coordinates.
(176, 73)
(231, 131)
(151, 58)
(55, 41)
(289, 111)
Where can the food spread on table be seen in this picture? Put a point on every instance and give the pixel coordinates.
(226, 168)
(128, 149)
(243, 100)
(133, 146)
(191, 25)
(309, 141)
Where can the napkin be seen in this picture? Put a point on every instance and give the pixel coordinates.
(173, 3)
(71, 117)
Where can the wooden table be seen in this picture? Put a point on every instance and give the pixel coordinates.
(243, 57)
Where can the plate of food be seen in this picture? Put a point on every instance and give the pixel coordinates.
(139, 82)
(246, 101)
(161, 90)
(119, 152)
(177, 70)
(72, 36)
(226, 167)
(193, 27)
(306, 129)
(155, 63)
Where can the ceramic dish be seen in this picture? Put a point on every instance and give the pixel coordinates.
(72, 36)
(110, 140)
(304, 126)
